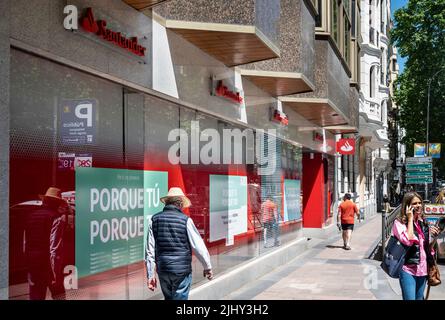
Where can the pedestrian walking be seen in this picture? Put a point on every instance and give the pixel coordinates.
(440, 199)
(170, 240)
(412, 230)
(346, 212)
(44, 232)
(386, 206)
(270, 218)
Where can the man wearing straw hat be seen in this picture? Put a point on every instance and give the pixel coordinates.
(44, 246)
(171, 237)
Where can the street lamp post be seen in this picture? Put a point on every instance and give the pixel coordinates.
(428, 124)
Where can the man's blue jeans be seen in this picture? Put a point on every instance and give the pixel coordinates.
(413, 287)
(175, 286)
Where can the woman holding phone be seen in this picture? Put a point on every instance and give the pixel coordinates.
(412, 230)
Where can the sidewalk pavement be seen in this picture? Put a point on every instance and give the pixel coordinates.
(328, 272)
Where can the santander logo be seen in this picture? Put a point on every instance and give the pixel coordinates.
(346, 146)
(99, 28)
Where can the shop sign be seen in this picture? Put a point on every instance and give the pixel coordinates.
(346, 146)
(66, 161)
(71, 161)
(112, 208)
(89, 24)
(435, 209)
(78, 122)
(222, 89)
(228, 207)
(83, 161)
(280, 117)
(317, 136)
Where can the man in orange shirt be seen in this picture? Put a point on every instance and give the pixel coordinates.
(346, 212)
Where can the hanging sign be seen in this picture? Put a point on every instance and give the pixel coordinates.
(346, 146)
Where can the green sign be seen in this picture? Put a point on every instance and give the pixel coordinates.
(228, 206)
(416, 166)
(419, 180)
(427, 173)
(112, 206)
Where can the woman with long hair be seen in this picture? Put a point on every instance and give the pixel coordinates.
(412, 230)
(440, 199)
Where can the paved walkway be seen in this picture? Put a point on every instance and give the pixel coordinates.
(327, 271)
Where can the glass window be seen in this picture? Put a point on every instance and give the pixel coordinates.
(334, 20)
(353, 18)
(123, 135)
(347, 44)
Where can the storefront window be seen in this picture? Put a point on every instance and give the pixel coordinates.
(101, 143)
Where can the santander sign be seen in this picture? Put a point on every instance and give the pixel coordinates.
(99, 27)
(346, 146)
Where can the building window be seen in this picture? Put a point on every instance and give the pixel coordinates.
(319, 16)
(372, 81)
(353, 19)
(334, 21)
(382, 67)
(346, 4)
(382, 16)
(347, 45)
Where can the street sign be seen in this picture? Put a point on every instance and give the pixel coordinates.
(419, 174)
(419, 160)
(418, 166)
(419, 180)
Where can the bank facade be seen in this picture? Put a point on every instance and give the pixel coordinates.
(234, 102)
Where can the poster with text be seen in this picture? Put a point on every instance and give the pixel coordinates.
(78, 122)
(228, 207)
(112, 206)
(292, 209)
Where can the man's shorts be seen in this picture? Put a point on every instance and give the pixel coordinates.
(345, 226)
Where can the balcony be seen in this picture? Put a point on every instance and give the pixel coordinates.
(371, 112)
(235, 32)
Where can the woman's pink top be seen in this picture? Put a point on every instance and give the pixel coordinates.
(400, 231)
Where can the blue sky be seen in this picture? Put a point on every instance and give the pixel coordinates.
(396, 4)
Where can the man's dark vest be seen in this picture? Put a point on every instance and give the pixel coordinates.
(173, 252)
(413, 254)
